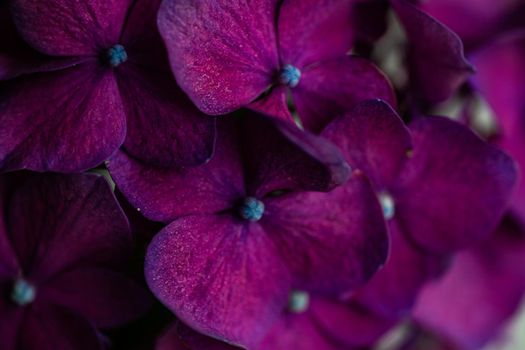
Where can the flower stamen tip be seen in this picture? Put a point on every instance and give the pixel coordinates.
(117, 55)
(23, 292)
(251, 209)
(290, 76)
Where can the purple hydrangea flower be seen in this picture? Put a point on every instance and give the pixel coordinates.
(245, 230)
(87, 77)
(442, 189)
(64, 243)
(482, 290)
(231, 54)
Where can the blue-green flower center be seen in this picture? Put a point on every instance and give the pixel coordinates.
(23, 292)
(116, 55)
(388, 205)
(290, 76)
(298, 302)
(251, 209)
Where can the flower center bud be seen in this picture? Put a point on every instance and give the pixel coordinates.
(290, 76)
(388, 205)
(116, 55)
(298, 302)
(23, 292)
(251, 209)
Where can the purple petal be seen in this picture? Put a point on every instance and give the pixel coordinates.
(273, 104)
(475, 20)
(164, 128)
(221, 277)
(481, 291)
(311, 31)
(11, 318)
(65, 121)
(17, 57)
(8, 262)
(318, 231)
(69, 27)
(181, 337)
(436, 61)
(454, 190)
(50, 327)
(500, 77)
(75, 220)
(254, 155)
(222, 54)
(392, 292)
(331, 88)
(373, 139)
(104, 297)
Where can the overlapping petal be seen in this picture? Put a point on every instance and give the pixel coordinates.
(67, 211)
(330, 88)
(70, 27)
(436, 60)
(51, 122)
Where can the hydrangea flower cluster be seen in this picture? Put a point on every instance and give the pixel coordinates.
(261, 174)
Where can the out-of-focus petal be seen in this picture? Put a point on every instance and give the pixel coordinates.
(436, 61)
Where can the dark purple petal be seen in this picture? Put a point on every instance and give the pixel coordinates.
(392, 292)
(454, 190)
(181, 337)
(223, 54)
(474, 21)
(8, 262)
(65, 121)
(164, 127)
(254, 155)
(220, 276)
(311, 31)
(501, 73)
(373, 139)
(274, 103)
(436, 62)
(106, 298)
(330, 88)
(17, 57)
(50, 327)
(11, 318)
(69, 27)
(75, 220)
(481, 291)
(319, 231)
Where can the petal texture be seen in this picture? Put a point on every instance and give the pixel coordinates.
(51, 122)
(70, 27)
(330, 88)
(223, 54)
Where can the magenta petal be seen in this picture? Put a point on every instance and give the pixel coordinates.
(106, 298)
(181, 337)
(373, 139)
(501, 73)
(436, 60)
(454, 190)
(164, 128)
(50, 327)
(482, 290)
(65, 121)
(8, 262)
(343, 228)
(273, 104)
(392, 292)
(311, 30)
(69, 27)
(330, 88)
(219, 276)
(11, 318)
(223, 54)
(74, 219)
